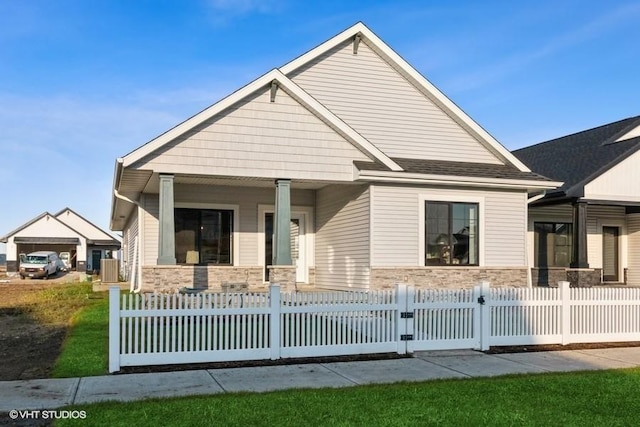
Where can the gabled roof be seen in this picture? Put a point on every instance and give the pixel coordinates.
(417, 79)
(107, 238)
(101, 242)
(5, 238)
(578, 158)
(283, 82)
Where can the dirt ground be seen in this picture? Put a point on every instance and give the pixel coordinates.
(28, 349)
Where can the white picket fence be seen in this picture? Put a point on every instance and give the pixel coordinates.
(154, 329)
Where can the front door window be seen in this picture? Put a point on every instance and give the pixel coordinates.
(610, 237)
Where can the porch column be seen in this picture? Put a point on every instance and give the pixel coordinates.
(166, 232)
(282, 223)
(579, 259)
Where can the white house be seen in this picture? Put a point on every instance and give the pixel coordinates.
(588, 230)
(343, 168)
(65, 231)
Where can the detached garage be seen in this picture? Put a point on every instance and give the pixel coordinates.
(65, 231)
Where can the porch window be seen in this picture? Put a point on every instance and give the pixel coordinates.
(553, 244)
(451, 233)
(204, 236)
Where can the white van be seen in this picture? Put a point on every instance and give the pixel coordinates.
(39, 264)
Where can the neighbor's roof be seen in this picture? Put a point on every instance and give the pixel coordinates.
(578, 158)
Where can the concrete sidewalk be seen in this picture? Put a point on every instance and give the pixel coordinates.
(424, 366)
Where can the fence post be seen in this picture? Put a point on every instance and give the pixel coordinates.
(483, 290)
(114, 329)
(401, 322)
(565, 311)
(274, 320)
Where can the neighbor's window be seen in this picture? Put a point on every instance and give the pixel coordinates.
(204, 236)
(552, 244)
(451, 233)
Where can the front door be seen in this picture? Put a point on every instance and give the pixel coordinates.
(610, 266)
(95, 260)
(298, 248)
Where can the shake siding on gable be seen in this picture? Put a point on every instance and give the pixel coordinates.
(259, 138)
(342, 236)
(246, 199)
(396, 216)
(375, 100)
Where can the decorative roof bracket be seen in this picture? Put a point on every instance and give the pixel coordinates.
(356, 43)
(274, 89)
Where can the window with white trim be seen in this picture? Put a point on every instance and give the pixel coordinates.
(451, 233)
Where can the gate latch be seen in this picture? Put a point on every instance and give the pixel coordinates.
(481, 300)
(406, 315)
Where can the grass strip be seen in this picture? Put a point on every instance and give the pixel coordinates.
(598, 398)
(85, 351)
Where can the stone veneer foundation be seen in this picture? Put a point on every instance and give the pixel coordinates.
(171, 278)
(448, 277)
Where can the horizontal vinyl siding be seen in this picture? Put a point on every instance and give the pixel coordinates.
(130, 233)
(374, 99)
(246, 198)
(150, 218)
(633, 242)
(259, 138)
(342, 236)
(396, 217)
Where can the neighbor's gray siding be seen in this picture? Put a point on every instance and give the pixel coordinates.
(246, 198)
(259, 138)
(396, 224)
(342, 237)
(633, 243)
(375, 100)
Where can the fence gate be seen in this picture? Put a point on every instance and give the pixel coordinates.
(444, 319)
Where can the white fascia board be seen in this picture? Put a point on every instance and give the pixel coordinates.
(467, 181)
(411, 74)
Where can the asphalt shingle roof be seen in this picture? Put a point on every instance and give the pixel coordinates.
(578, 158)
(439, 167)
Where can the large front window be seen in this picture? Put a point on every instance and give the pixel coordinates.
(204, 236)
(553, 244)
(451, 233)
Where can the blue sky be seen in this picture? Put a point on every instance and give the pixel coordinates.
(84, 82)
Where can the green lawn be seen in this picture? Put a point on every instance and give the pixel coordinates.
(600, 398)
(85, 351)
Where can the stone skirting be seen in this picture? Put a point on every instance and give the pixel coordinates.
(448, 277)
(548, 276)
(578, 277)
(584, 277)
(171, 278)
(285, 275)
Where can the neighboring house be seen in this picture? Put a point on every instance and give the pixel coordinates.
(342, 168)
(65, 231)
(588, 230)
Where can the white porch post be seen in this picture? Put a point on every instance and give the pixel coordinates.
(166, 232)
